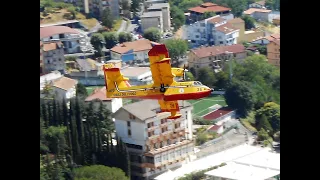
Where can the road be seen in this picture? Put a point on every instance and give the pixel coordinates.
(230, 139)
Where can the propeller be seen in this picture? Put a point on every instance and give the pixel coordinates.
(184, 72)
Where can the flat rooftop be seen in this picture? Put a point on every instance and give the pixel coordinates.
(159, 6)
(151, 14)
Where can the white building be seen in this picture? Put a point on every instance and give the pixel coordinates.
(155, 143)
(212, 31)
(49, 78)
(64, 88)
(152, 19)
(258, 4)
(137, 75)
(220, 116)
(70, 38)
(112, 104)
(53, 57)
(165, 9)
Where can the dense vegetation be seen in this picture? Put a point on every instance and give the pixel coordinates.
(153, 34)
(78, 135)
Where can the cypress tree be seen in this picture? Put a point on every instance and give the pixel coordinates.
(74, 135)
(54, 113)
(79, 123)
(45, 115)
(59, 114)
(49, 109)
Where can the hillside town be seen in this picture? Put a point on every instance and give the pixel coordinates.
(231, 46)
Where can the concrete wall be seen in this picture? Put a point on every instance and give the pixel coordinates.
(138, 133)
(273, 54)
(147, 22)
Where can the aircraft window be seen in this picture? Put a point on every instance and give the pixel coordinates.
(197, 83)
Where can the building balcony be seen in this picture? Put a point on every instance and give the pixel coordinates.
(167, 148)
(152, 128)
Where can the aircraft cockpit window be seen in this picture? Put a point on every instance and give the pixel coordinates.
(197, 83)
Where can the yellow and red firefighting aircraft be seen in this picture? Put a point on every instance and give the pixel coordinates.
(164, 88)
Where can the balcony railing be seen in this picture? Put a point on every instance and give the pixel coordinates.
(166, 148)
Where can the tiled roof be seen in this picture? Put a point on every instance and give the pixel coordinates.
(214, 127)
(64, 83)
(100, 94)
(252, 10)
(53, 30)
(51, 46)
(208, 4)
(146, 109)
(212, 8)
(226, 28)
(216, 50)
(217, 113)
(136, 46)
(235, 20)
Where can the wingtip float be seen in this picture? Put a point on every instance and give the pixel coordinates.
(164, 88)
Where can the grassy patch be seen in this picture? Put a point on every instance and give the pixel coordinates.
(200, 106)
(248, 125)
(89, 23)
(117, 25)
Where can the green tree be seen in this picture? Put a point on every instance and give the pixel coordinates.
(81, 90)
(222, 80)
(263, 135)
(186, 4)
(178, 17)
(97, 40)
(249, 22)
(272, 112)
(47, 90)
(201, 138)
(239, 96)
(73, 11)
(135, 7)
(125, 37)
(277, 136)
(111, 39)
(55, 136)
(99, 172)
(262, 122)
(189, 76)
(207, 15)
(206, 76)
(153, 34)
(176, 48)
(106, 18)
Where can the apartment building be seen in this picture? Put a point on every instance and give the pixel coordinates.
(52, 57)
(132, 51)
(212, 31)
(96, 7)
(152, 19)
(70, 38)
(215, 56)
(243, 34)
(273, 52)
(258, 14)
(165, 9)
(155, 143)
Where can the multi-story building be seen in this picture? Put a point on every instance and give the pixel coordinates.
(130, 51)
(258, 4)
(212, 31)
(70, 38)
(196, 13)
(41, 59)
(165, 9)
(152, 19)
(53, 57)
(243, 34)
(96, 7)
(273, 52)
(155, 143)
(215, 55)
(258, 14)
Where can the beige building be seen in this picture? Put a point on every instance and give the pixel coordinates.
(41, 58)
(152, 19)
(165, 9)
(155, 144)
(273, 52)
(64, 88)
(258, 14)
(215, 55)
(53, 57)
(243, 34)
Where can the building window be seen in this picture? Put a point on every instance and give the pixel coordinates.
(132, 116)
(150, 124)
(150, 133)
(163, 121)
(128, 123)
(164, 129)
(129, 132)
(168, 142)
(209, 58)
(197, 36)
(221, 42)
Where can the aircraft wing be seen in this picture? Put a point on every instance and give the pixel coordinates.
(170, 106)
(160, 65)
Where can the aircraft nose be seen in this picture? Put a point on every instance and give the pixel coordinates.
(212, 90)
